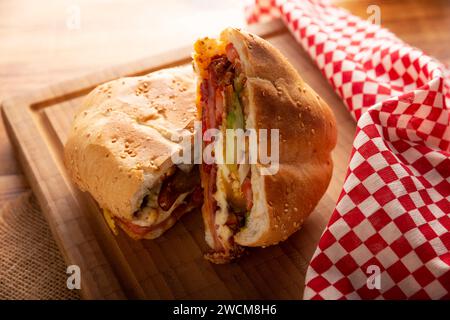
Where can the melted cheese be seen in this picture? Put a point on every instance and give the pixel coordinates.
(151, 215)
(110, 221)
(221, 217)
(205, 49)
(156, 215)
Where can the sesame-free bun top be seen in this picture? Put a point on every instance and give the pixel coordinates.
(276, 97)
(120, 144)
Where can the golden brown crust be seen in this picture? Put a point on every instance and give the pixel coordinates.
(120, 143)
(280, 99)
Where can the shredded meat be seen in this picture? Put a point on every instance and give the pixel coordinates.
(178, 183)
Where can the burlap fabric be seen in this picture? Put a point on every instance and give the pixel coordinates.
(31, 266)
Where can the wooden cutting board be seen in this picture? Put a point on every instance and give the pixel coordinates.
(172, 266)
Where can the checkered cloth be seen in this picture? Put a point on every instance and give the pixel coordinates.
(389, 235)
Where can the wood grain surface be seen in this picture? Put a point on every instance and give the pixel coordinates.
(38, 49)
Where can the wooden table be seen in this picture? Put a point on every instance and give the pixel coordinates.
(43, 44)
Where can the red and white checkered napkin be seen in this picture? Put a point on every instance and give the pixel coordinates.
(393, 214)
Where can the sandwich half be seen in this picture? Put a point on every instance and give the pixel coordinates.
(243, 82)
(120, 150)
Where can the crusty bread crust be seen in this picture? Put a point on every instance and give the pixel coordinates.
(278, 98)
(120, 142)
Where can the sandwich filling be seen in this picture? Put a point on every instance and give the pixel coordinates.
(227, 187)
(165, 203)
